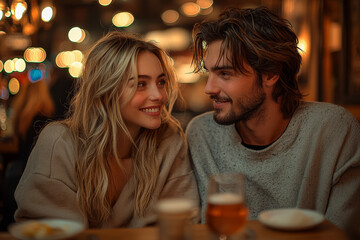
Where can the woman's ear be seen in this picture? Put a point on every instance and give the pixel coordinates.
(270, 80)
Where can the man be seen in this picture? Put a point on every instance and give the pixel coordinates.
(292, 153)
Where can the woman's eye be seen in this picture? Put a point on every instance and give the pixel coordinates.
(141, 84)
(162, 82)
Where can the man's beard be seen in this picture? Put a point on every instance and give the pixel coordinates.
(249, 108)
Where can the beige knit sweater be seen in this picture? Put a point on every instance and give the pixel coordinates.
(48, 189)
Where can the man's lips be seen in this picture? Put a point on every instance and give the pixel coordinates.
(219, 102)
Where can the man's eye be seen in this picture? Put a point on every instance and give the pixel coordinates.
(222, 73)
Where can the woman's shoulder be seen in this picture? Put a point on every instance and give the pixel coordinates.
(171, 133)
(52, 134)
(53, 152)
(55, 129)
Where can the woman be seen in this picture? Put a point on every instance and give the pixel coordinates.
(119, 151)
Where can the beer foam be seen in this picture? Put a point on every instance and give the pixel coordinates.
(175, 205)
(225, 198)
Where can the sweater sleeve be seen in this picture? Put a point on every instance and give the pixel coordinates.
(47, 189)
(180, 182)
(344, 200)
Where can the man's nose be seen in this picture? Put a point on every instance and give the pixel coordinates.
(211, 87)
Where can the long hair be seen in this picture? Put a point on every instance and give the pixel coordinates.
(261, 39)
(96, 122)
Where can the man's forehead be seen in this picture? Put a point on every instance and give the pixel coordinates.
(214, 55)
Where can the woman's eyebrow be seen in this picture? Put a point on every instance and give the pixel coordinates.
(148, 77)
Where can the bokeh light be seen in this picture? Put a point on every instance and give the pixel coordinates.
(75, 69)
(35, 75)
(204, 4)
(206, 11)
(190, 9)
(9, 66)
(18, 8)
(35, 54)
(170, 16)
(76, 34)
(14, 86)
(19, 64)
(58, 60)
(66, 58)
(47, 14)
(78, 55)
(123, 19)
(105, 2)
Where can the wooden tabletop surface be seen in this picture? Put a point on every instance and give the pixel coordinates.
(325, 231)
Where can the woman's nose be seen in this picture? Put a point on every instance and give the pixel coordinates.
(155, 94)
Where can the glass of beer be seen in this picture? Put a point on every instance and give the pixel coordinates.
(226, 212)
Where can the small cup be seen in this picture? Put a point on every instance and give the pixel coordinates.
(175, 218)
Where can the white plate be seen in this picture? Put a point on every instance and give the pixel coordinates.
(290, 219)
(69, 228)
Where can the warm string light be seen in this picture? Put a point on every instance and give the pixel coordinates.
(105, 2)
(188, 9)
(170, 16)
(71, 60)
(76, 34)
(123, 19)
(27, 18)
(18, 9)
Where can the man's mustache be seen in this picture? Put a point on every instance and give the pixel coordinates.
(220, 99)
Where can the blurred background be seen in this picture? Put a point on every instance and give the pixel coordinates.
(42, 43)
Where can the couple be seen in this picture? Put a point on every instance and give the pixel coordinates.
(121, 150)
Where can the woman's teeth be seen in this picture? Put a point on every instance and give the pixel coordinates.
(150, 109)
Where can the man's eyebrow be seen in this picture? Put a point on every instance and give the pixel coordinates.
(225, 67)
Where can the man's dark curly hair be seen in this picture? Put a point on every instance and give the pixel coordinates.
(260, 38)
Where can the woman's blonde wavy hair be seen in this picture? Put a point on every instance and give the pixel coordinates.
(96, 121)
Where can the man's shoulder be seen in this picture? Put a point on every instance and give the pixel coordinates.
(325, 111)
(321, 106)
(202, 120)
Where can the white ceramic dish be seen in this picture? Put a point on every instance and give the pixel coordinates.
(69, 229)
(290, 219)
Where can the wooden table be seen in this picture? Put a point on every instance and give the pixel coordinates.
(325, 231)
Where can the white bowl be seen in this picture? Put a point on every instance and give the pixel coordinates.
(69, 228)
(290, 219)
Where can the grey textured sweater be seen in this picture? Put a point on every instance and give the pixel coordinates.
(315, 164)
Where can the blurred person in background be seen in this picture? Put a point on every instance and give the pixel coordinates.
(119, 151)
(292, 153)
(37, 104)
